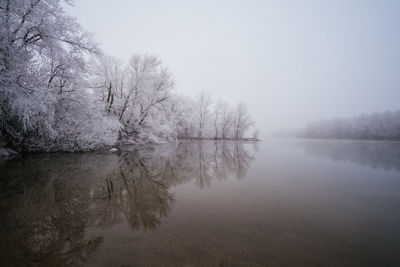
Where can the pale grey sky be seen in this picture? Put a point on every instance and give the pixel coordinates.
(290, 61)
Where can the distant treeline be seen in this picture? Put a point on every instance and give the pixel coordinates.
(374, 126)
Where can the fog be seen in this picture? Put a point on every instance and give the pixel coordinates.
(135, 133)
(291, 62)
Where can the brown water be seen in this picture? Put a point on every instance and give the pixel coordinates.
(271, 203)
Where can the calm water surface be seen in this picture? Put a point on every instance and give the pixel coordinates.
(271, 203)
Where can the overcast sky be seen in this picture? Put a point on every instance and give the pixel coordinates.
(290, 61)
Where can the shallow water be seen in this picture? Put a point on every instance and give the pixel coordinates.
(270, 203)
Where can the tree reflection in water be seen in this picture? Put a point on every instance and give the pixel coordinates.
(375, 154)
(45, 211)
(53, 207)
(137, 191)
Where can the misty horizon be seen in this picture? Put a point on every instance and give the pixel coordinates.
(291, 63)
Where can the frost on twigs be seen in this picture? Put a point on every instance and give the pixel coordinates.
(43, 103)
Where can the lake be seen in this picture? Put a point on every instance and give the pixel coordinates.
(279, 202)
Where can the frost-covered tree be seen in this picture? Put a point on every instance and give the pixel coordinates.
(42, 76)
(203, 103)
(136, 93)
(182, 116)
(242, 121)
(107, 78)
(222, 120)
(217, 119)
(200, 119)
(149, 84)
(226, 122)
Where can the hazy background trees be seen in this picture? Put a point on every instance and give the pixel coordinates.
(203, 103)
(378, 125)
(242, 121)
